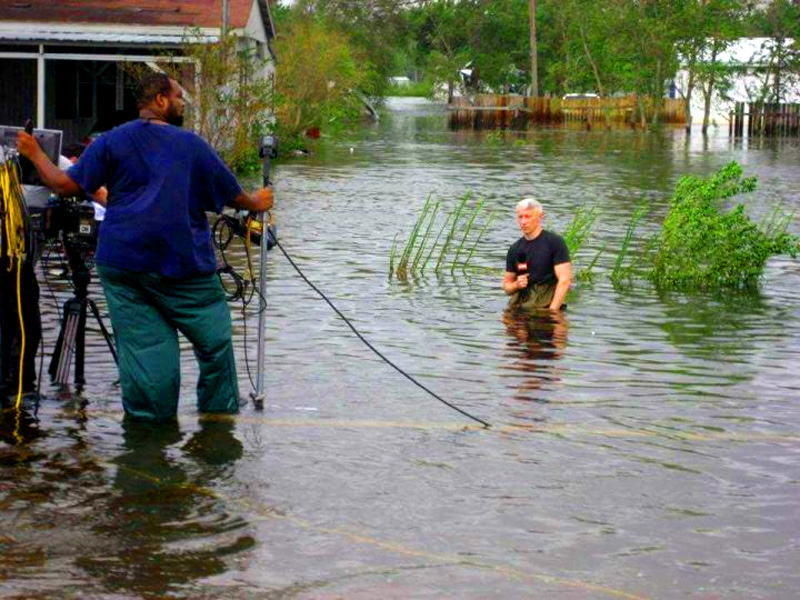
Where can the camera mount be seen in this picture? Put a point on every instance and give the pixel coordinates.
(72, 336)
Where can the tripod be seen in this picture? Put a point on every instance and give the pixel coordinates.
(72, 336)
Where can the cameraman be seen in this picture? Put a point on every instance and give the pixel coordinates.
(154, 256)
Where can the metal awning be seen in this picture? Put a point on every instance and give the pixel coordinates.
(115, 39)
(104, 35)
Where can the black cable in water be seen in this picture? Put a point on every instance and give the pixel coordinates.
(371, 347)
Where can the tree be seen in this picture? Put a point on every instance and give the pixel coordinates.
(780, 20)
(534, 50)
(315, 88)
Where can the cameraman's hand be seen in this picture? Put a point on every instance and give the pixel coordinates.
(53, 177)
(264, 198)
(27, 145)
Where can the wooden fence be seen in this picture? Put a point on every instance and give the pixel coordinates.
(489, 111)
(770, 120)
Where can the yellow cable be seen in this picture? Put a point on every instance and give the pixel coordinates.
(16, 246)
(22, 329)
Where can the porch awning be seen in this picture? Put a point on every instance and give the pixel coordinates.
(106, 36)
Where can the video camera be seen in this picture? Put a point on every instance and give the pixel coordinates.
(52, 216)
(69, 218)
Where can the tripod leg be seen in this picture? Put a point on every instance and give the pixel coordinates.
(80, 346)
(72, 311)
(56, 358)
(106, 335)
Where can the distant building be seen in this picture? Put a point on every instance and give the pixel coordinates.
(747, 60)
(60, 62)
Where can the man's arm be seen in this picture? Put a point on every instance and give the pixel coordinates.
(258, 201)
(53, 177)
(513, 283)
(564, 277)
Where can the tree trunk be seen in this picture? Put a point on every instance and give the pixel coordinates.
(534, 51)
(642, 111)
(599, 83)
(688, 100)
(709, 89)
(658, 96)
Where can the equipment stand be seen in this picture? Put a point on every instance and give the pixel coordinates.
(268, 148)
(72, 337)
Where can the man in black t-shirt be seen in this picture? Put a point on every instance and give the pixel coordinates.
(538, 272)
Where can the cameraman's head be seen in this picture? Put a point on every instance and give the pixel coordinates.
(161, 98)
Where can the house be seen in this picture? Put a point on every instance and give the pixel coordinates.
(63, 63)
(748, 62)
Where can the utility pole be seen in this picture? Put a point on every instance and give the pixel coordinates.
(226, 17)
(534, 51)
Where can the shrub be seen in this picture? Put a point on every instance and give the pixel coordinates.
(702, 247)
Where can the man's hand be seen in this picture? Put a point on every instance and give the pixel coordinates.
(264, 198)
(53, 177)
(258, 201)
(564, 275)
(522, 281)
(27, 145)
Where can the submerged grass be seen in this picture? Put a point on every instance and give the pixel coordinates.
(576, 233)
(620, 272)
(454, 235)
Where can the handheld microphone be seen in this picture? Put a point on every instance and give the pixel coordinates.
(522, 264)
(522, 269)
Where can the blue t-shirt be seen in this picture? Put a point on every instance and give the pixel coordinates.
(161, 180)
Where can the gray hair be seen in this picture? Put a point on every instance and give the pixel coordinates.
(530, 204)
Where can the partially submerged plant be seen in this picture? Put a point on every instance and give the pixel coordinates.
(417, 254)
(620, 272)
(702, 247)
(575, 235)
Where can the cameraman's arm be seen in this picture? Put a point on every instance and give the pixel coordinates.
(258, 201)
(53, 177)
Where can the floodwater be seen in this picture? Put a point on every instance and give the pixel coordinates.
(643, 445)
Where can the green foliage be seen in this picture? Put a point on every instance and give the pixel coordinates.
(247, 162)
(703, 247)
(620, 272)
(421, 89)
(320, 74)
(576, 233)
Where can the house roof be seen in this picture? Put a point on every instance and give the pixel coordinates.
(176, 13)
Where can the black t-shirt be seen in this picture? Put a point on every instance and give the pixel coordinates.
(541, 254)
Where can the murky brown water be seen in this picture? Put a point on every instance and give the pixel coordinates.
(644, 446)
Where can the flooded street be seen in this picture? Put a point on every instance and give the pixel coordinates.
(644, 445)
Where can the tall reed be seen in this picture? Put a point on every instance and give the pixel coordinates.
(454, 234)
(619, 272)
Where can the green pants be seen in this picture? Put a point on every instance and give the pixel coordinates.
(147, 311)
(539, 295)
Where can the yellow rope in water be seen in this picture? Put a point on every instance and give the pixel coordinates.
(14, 219)
(22, 330)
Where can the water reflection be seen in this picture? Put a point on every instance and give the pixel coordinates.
(723, 326)
(162, 516)
(537, 340)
